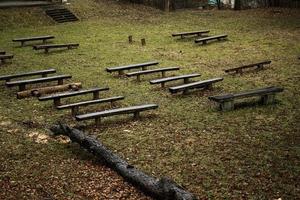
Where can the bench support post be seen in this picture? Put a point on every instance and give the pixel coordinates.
(75, 111)
(268, 99)
(209, 87)
(57, 102)
(138, 78)
(60, 82)
(186, 91)
(163, 84)
(22, 87)
(97, 121)
(136, 115)
(22, 43)
(260, 67)
(144, 68)
(96, 95)
(121, 72)
(163, 74)
(44, 75)
(227, 105)
(186, 80)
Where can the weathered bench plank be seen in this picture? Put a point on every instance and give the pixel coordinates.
(259, 66)
(22, 83)
(27, 39)
(75, 106)
(227, 100)
(128, 110)
(57, 97)
(44, 73)
(185, 78)
(5, 57)
(120, 69)
(46, 47)
(182, 34)
(162, 70)
(216, 37)
(195, 85)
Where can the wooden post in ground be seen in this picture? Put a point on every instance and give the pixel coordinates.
(143, 41)
(130, 39)
(167, 5)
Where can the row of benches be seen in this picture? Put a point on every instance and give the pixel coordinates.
(186, 78)
(200, 33)
(226, 101)
(74, 107)
(44, 46)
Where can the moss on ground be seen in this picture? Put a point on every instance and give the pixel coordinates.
(250, 153)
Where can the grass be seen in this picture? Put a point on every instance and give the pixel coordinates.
(249, 153)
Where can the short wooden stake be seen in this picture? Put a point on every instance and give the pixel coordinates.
(130, 39)
(143, 41)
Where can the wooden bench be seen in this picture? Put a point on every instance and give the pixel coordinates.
(216, 37)
(267, 96)
(185, 78)
(195, 85)
(46, 47)
(5, 57)
(44, 73)
(120, 69)
(2, 52)
(259, 65)
(162, 70)
(197, 33)
(22, 83)
(118, 111)
(43, 38)
(57, 97)
(75, 106)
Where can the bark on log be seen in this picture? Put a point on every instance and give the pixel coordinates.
(36, 92)
(163, 188)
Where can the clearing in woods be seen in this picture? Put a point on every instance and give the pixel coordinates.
(249, 153)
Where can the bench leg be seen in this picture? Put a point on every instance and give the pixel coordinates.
(112, 104)
(60, 82)
(121, 72)
(96, 95)
(186, 80)
(57, 102)
(209, 87)
(268, 99)
(22, 87)
(239, 71)
(22, 43)
(144, 68)
(260, 67)
(75, 111)
(163, 74)
(97, 121)
(44, 75)
(136, 115)
(138, 78)
(44, 41)
(186, 91)
(204, 42)
(227, 105)
(46, 50)
(181, 36)
(162, 85)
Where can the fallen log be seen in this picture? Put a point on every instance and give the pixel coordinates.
(36, 92)
(163, 188)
